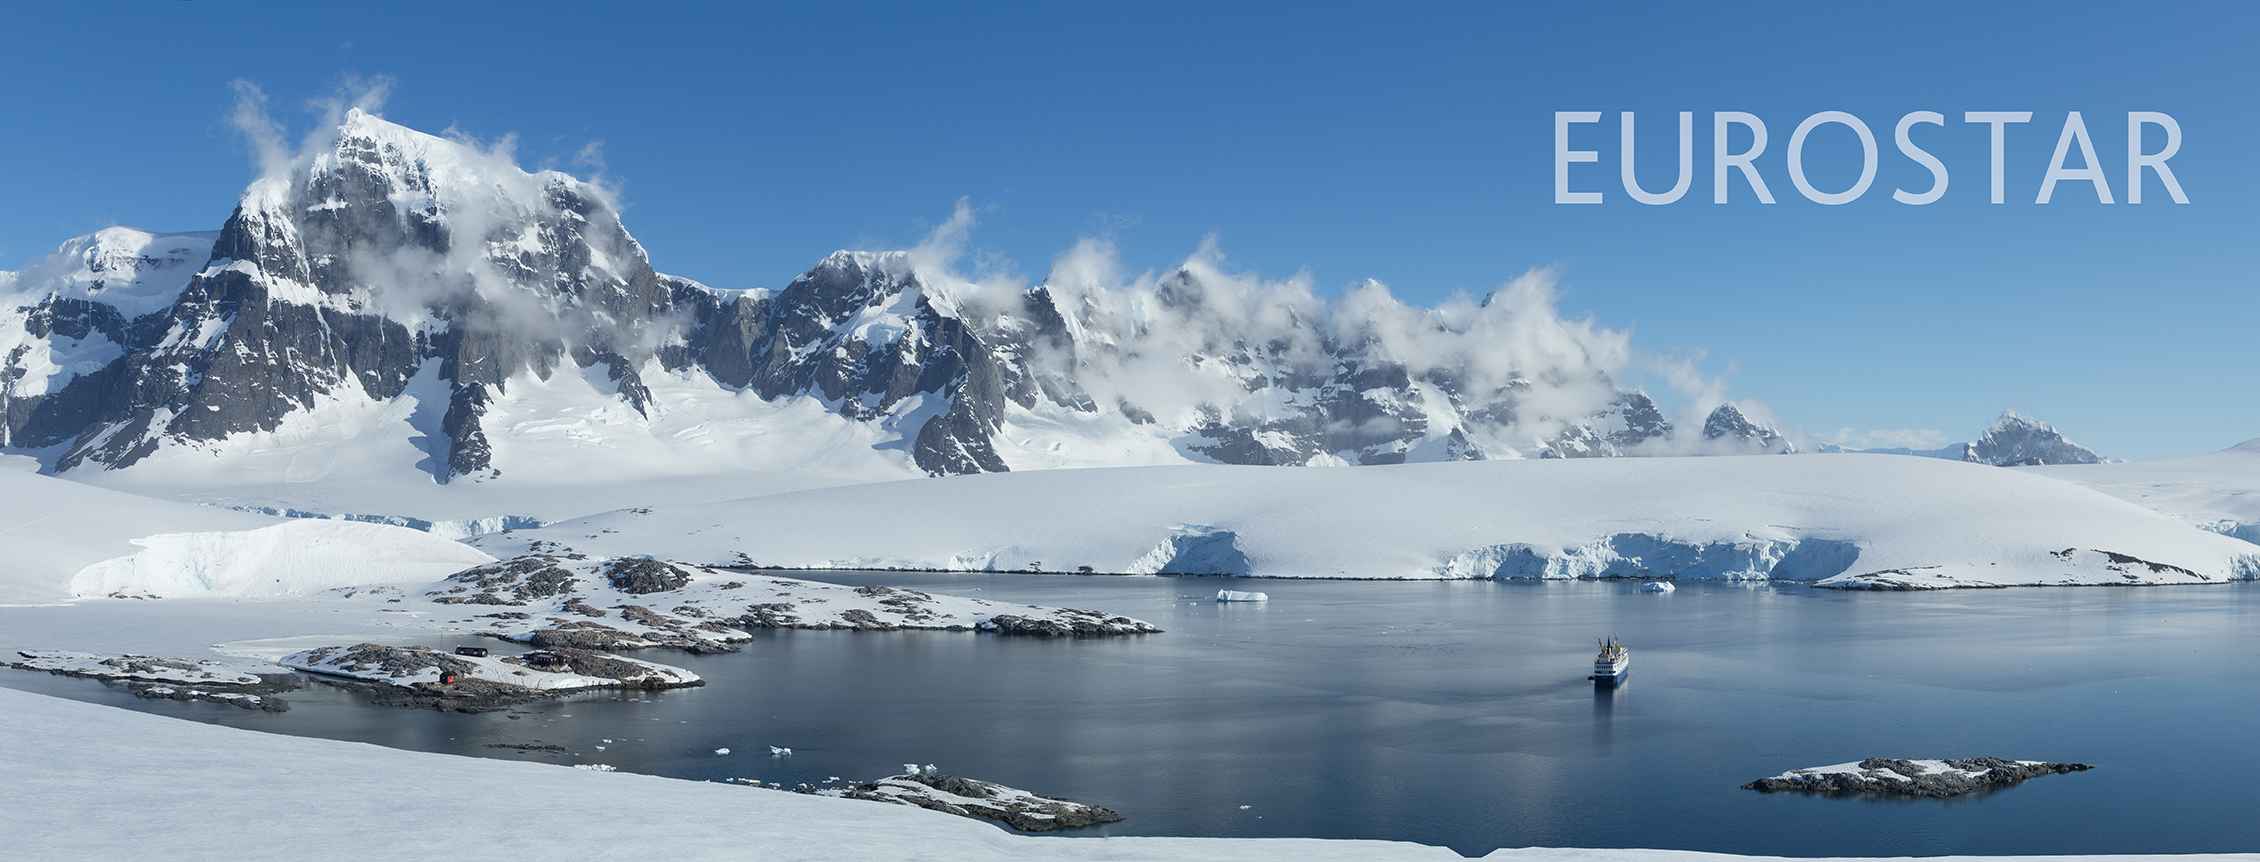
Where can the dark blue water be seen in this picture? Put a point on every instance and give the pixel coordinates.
(1458, 713)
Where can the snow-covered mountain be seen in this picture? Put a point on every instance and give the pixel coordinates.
(401, 303)
(2017, 440)
(2014, 440)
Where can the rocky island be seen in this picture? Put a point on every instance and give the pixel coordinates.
(1886, 776)
(965, 797)
(555, 598)
(425, 678)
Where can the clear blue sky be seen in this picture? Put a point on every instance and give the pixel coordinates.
(1413, 146)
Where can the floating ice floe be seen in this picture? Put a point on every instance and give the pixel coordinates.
(780, 751)
(1657, 587)
(721, 751)
(1238, 596)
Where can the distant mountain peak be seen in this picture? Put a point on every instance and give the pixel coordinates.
(1728, 425)
(2018, 440)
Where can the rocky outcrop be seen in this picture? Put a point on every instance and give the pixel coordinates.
(1889, 777)
(423, 678)
(235, 682)
(1067, 623)
(639, 576)
(966, 797)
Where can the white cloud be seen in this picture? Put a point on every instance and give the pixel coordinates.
(1899, 438)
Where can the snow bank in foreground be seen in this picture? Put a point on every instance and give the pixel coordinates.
(291, 558)
(92, 782)
(1915, 522)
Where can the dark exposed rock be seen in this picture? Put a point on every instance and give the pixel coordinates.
(574, 605)
(638, 576)
(511, 582)
(863, 620)
(1886, 776)
(772, 615)
(590, 638)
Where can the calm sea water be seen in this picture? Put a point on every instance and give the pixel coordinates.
(1458, 713)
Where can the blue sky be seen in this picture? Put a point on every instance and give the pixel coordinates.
(1352, 141)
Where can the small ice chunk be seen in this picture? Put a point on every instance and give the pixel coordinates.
(1238, 596)
(930, 769)
(910, 769)
(1657, 587)
(777, 751)
(721, 751)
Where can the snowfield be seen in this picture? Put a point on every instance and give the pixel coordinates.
(1858, 521)
(93, 782)
(284, 559)
(2218, 491)
(61, 539)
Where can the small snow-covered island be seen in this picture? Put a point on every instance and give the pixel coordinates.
(409, 403)
(1890, 777)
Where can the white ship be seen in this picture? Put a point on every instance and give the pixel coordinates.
(1609, 669)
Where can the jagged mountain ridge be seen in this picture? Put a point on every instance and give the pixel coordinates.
(396, 257)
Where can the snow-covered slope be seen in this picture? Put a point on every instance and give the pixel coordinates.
(51, 528)
(60, 539)
(1907, 521)
(2219, 491)
(291, 558)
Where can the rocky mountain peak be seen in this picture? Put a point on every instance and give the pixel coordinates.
(2017, 440)
(1728, 425)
